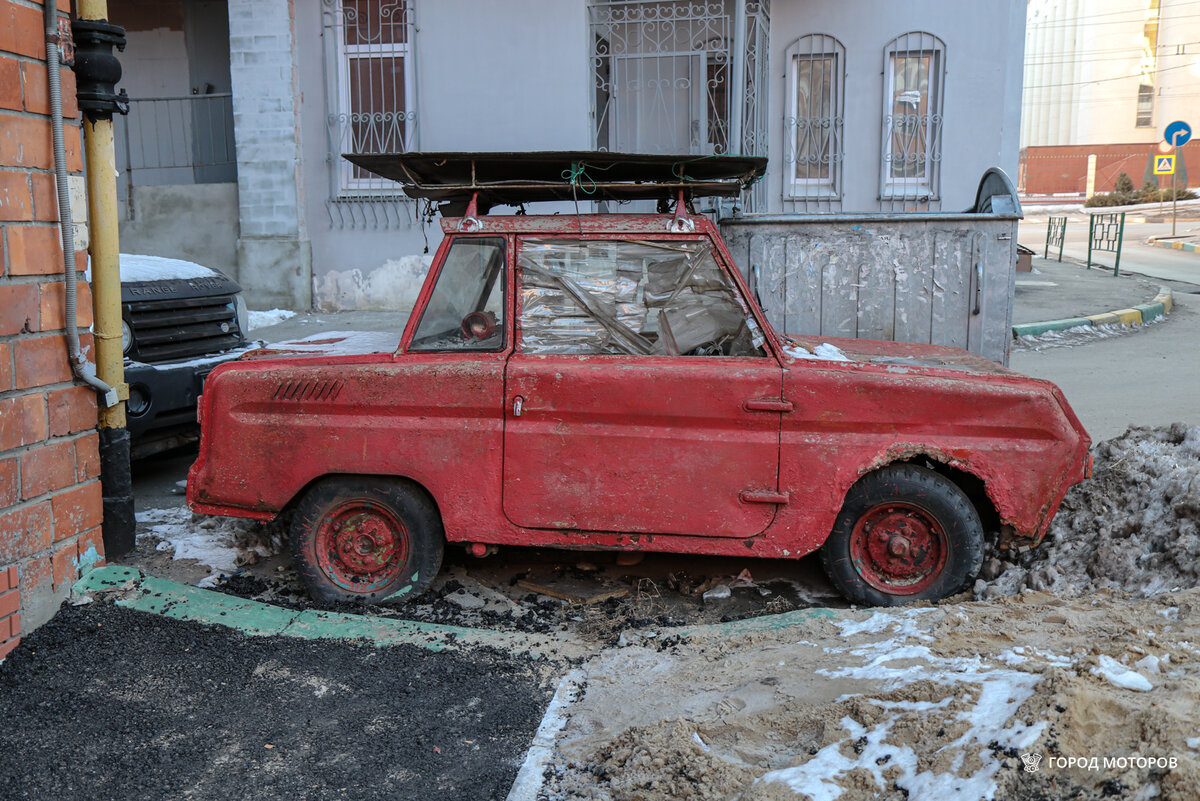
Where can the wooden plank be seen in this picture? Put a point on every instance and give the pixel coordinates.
(950, 289)
(878, 265)
(574, 593)
(805, 258)
(914, 291)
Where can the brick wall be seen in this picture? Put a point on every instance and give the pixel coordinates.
(50, 504)
(1062, 169)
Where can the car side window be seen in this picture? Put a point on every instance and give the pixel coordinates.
(466, 309)
(644, 297)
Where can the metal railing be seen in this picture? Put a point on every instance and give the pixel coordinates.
(1105, 233)
(1056, 234)
(177, 140)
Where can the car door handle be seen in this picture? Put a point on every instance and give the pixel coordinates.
(767, 405)
(518, 406)
(762, 496)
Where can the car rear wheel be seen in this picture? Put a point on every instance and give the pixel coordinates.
(364, 540)
(904, 534)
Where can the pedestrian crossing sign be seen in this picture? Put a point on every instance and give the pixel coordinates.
(1164, 165)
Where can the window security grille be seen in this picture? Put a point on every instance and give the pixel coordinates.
(812, 138)
(914, 67)
(370, 104)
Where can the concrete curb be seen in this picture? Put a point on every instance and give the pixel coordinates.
(1187, 247)
(1142, 313)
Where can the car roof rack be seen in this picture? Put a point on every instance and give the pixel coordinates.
(513, 179)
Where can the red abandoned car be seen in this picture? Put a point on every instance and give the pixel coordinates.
(605, 381)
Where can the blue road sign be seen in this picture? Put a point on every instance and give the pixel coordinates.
(1178, 133)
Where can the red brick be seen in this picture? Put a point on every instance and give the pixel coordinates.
(16, 201)
(71, 410)
(72, 139)
(10, 490)
(40, 361)
(77, 510)
(19, 302)
(12, 577)
(14, 625)
(25, 142)
(87, 458)
(47, 468)
(91, 541)
(29, 32)
(53, 303)
(45, 197)
(5, 367)
(22, 422)
(10, 602)
(81, 262)
(25, 531)
(65, 561)
(10, 84)
(34, 87)
(34, 250)
(7, 647)
(69, 101)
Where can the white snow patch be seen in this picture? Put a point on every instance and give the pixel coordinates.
(393, 286)
(1078, 335)
(136, 267)
(262, 319)
(1120, 676)
(823, 352)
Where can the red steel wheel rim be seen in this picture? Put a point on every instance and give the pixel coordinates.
(899, 548)
(361, 546)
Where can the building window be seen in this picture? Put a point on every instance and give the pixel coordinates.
(914, 71)
(371, 91)
(1145, 107)
(813, 125)
(661, 75)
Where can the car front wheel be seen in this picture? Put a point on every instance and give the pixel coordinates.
(364, 540)
(905, 533)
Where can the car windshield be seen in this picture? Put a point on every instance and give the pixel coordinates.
(466, 309)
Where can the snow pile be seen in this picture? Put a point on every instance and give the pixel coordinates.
(1135, 525)
(393, 286)
(136, 268)
(224, 544)
(262, 319)
(1078, 335)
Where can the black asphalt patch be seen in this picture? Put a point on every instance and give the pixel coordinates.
(108, 703)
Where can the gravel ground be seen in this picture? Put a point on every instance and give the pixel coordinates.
(107, 703)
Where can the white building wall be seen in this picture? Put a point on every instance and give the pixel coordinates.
(981, 125)
(274, 258)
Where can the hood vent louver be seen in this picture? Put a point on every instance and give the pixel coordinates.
(308, 390)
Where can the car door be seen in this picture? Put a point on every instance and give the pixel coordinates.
(641, 397)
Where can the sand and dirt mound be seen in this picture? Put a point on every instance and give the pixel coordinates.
(1133, 526)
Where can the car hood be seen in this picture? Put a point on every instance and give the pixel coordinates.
(331, 343)
(161, 278)
(899, 356)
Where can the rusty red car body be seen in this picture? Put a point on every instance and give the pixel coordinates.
(733, 456)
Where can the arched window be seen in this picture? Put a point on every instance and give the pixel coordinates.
(914, 70)
(816, 70)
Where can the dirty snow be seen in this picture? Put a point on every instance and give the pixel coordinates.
(262, 319)
(1134, 526)
(136, 268)
(1120, 676)
(1078, 335)
(393, 286)
(224, 544)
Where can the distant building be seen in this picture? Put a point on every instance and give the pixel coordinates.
(1105, 77)
(864, 105)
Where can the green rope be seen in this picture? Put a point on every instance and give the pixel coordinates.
(577, 176)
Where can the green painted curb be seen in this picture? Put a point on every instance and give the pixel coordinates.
(1032, 329)
(1150, 311)
(1186, 247)
(133, 589)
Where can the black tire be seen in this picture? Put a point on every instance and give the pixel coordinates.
(905, 533)
(365, 540)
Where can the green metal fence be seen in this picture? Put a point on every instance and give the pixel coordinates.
(1105, 233)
